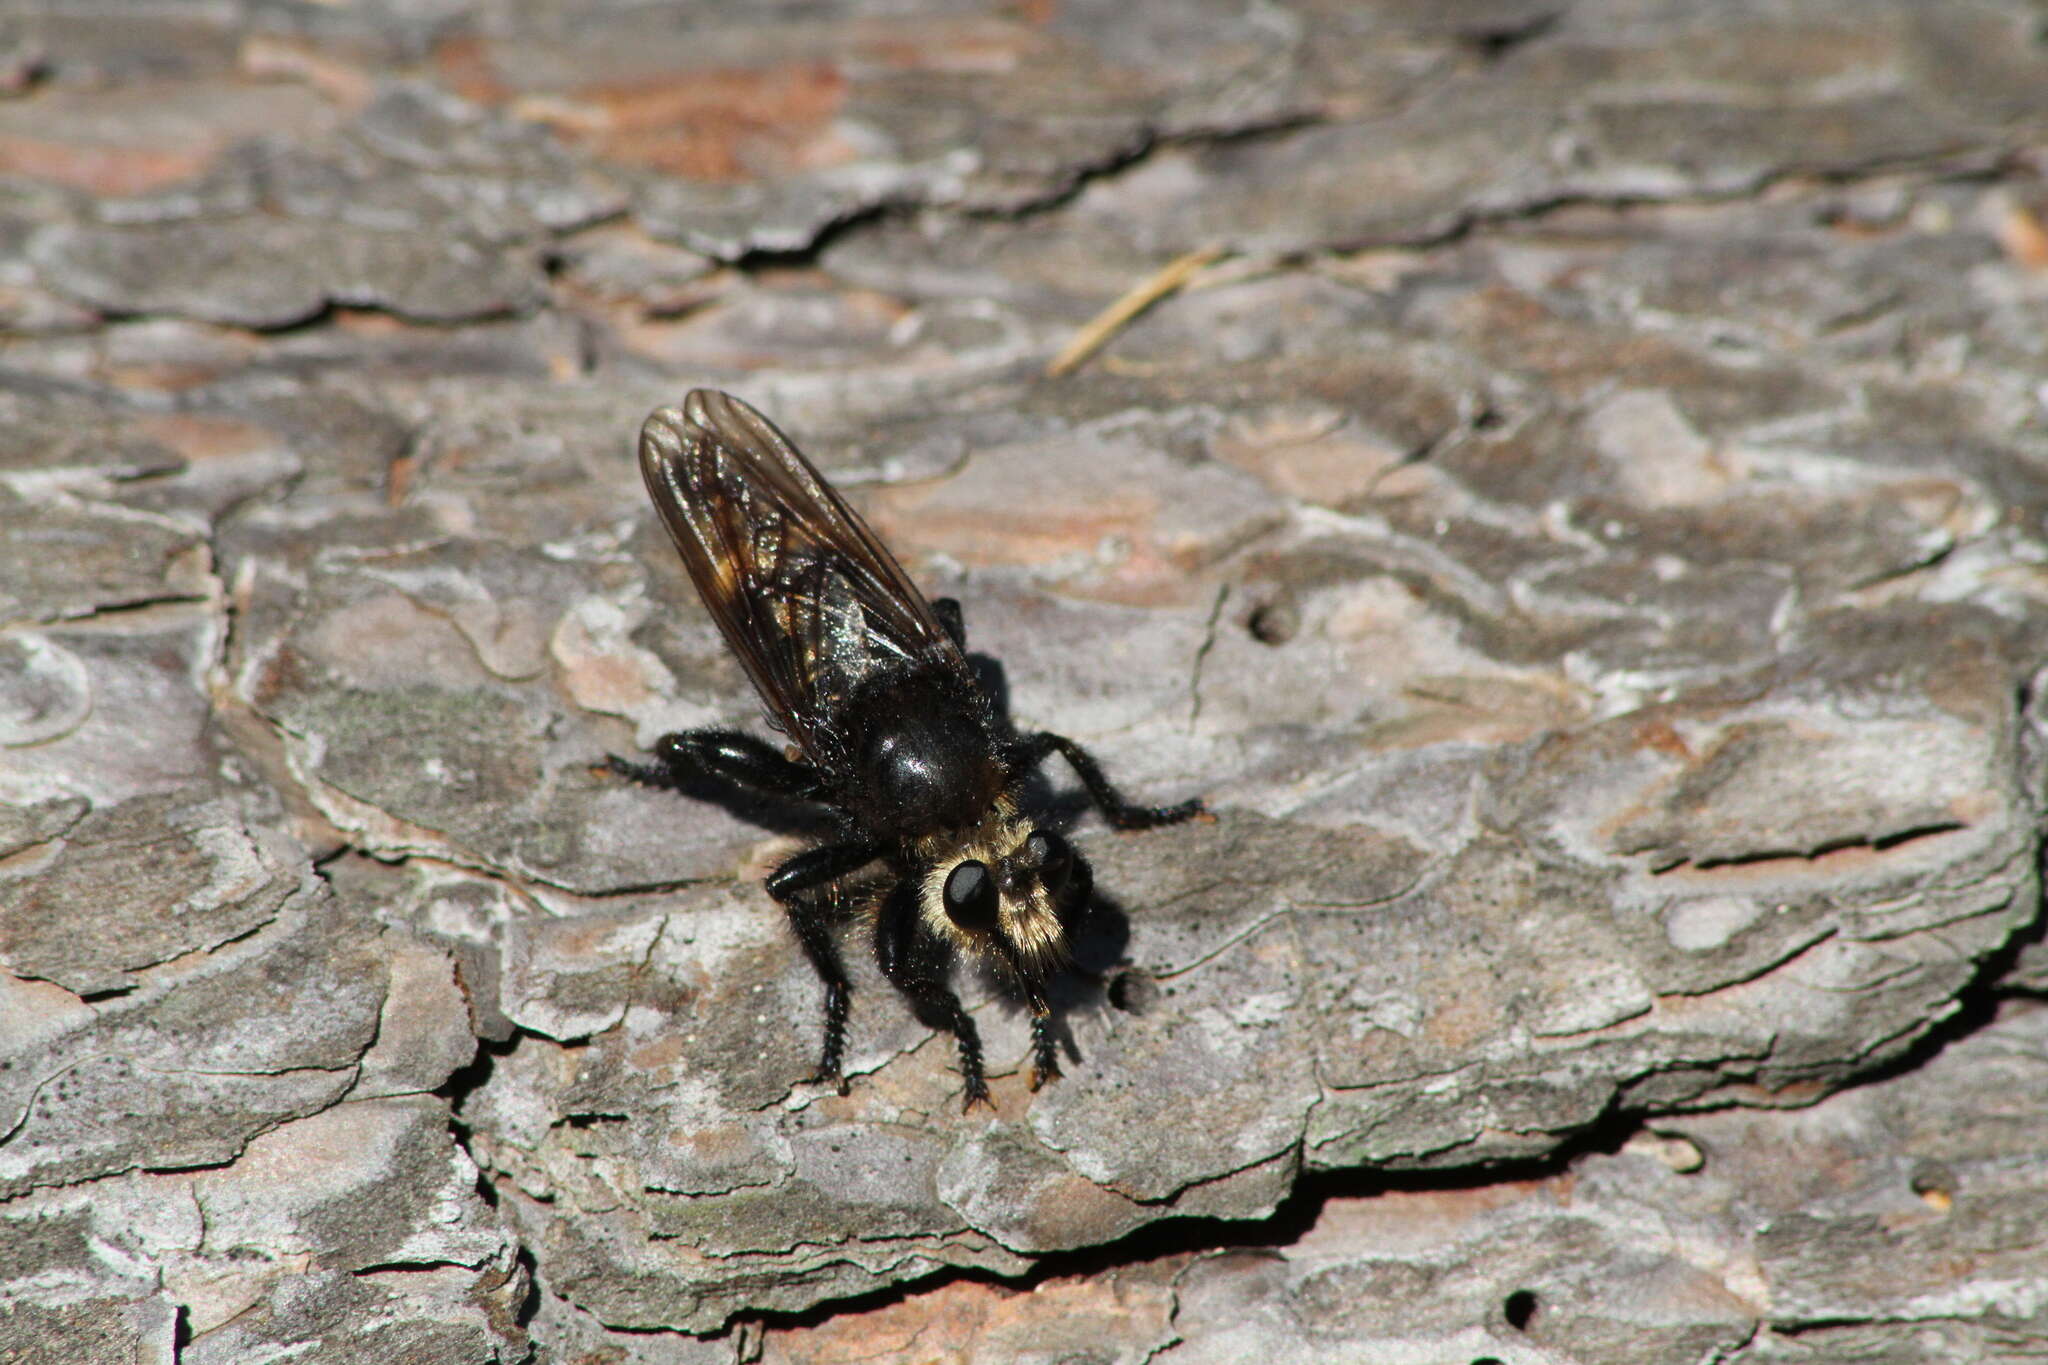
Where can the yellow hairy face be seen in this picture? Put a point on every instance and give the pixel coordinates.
(1026, 934)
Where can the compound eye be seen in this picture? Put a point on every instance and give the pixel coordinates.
(1052, 857)
(970, 896)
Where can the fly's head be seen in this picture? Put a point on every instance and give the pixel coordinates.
(1002, 895)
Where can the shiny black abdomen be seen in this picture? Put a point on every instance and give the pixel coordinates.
(923, 753)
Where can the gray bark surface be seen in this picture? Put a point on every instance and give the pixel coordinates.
(1584, 532)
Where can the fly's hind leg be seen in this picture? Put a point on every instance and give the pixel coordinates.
(732, 756)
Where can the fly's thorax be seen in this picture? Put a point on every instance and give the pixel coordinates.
(1024, 930)
(922, 758)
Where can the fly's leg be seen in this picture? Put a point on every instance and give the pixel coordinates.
(817, 909)
(1034, 749)
(1045, 1053)
(918, 964)
(947, 609)
(731, 756)
(815, 918)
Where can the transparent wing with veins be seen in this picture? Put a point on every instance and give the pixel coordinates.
(808, 599)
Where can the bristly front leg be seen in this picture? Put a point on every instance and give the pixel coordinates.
(1033, 749)
(816, 919)
(1045, 1052)
(1076, 903)
(918, 964)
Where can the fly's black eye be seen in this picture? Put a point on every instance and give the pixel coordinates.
(971, 896)
(1052, 857)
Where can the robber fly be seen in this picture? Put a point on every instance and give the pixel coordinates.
(891, 733)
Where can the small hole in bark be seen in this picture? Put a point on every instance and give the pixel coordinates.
(1936, 1187)
(1491, 42)
(1520, 1309)
(1274, 623)
(1132, 991)
(1487, 1360)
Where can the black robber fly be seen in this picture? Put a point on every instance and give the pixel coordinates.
(891, 733)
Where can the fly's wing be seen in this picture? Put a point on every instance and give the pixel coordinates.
(805, 595)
